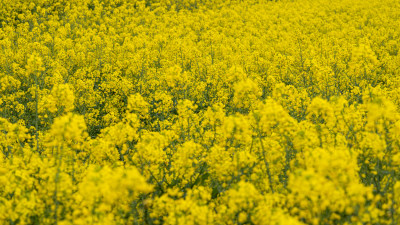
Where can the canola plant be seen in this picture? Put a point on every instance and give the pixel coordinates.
(199, 112)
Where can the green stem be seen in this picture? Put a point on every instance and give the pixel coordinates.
(36, 113)
(266, 163)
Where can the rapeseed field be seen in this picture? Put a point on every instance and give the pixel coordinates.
(199, 112)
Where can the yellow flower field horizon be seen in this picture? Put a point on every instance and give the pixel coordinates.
(200, 112)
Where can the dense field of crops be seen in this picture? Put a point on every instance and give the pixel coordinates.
(199, 112)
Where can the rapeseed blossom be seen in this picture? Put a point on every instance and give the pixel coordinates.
(199, 112)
